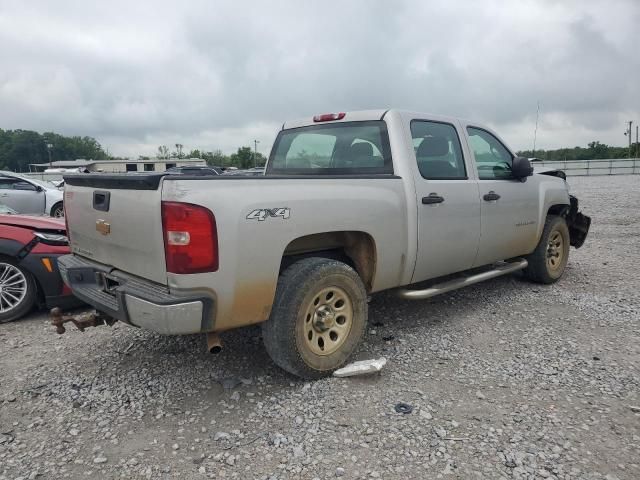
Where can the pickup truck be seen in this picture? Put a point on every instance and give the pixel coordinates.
(350, 204)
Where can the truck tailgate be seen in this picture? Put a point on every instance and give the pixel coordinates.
(116, 220)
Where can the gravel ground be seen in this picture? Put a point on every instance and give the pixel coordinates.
(506, 379)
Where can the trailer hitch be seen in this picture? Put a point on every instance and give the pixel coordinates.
(82, 321)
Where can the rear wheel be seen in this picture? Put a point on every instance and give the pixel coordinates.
(318, 318)
(549, 259)
(17, 291)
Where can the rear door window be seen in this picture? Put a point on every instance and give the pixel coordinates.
(348, 148)
(438, 151)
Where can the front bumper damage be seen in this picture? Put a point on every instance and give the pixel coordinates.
(578, 224)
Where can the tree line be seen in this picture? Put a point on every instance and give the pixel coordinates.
(19, 148)
(595, 150)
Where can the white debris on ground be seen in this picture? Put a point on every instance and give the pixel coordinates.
(362, 367)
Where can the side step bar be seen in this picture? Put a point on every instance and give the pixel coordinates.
(500, 269)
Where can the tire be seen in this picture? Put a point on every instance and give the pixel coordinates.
(549, 259)
(318, 318)
(18, 292)
(57, 210)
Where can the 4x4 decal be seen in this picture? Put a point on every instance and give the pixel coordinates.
(261, 214)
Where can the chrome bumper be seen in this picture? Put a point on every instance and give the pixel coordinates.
(135, 301)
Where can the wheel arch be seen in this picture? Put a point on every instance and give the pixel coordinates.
(356, 248)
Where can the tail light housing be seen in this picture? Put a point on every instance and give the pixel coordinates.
(190, 238)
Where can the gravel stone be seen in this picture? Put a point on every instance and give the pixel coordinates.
(547, 408)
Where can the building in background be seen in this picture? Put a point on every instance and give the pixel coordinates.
(115, 166)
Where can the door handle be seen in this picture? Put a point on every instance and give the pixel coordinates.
(491, 196)
(4, 195)
(432, 199)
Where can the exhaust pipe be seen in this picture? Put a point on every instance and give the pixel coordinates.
(214, 343)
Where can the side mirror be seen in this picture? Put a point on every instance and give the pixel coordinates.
(39, 188)
(521, 168)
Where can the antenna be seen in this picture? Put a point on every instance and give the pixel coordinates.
(535, 132)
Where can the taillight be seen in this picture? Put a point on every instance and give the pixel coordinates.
(190, 238)
(328, 117)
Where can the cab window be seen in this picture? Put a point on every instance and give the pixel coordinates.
(438, 151)
(345, 148)
(493, 160)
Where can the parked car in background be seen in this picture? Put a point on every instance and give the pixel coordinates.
(7, 210)
(194, 170)
(27, 195)
(29, 276)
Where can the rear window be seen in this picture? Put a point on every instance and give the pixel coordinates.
(349, 148)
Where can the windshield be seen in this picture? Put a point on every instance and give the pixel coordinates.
(348, 148)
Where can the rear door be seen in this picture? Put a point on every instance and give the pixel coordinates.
(509, 207)
(116, 220)
(448, 202)
(22, 196)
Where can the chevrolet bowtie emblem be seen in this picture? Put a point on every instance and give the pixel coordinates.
(103, 227)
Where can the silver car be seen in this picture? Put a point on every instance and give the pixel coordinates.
(27, 195)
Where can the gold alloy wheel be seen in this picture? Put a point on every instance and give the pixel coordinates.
(555, 251)
(328, 320)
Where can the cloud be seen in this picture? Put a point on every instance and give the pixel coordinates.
(218, 75)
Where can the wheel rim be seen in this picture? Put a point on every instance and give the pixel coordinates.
(555, 251)
(327, 320)
(13, 287)
(58, 212)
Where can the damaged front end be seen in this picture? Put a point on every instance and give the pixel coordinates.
(578, 223)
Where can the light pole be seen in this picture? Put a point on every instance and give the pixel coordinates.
(49, 147)
(255, 152)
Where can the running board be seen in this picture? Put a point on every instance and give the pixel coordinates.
(499, 270)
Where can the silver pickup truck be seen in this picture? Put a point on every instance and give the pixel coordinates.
(350, 204)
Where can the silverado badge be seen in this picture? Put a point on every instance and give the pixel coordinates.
(103, 227)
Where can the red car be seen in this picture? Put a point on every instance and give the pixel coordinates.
(29, 276)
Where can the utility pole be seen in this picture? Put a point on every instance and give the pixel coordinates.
(49, 147)
(255, 152)
(637, 144)
(628, 132)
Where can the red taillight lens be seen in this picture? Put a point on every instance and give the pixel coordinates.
(327, 117)
(190, 238)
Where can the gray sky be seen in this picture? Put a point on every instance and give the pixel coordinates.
(219, 74)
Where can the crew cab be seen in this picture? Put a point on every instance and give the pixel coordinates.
(350, 204)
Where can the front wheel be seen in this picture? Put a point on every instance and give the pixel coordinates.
(549, 259)
(17, 291)
(57, 210)
(318, 318)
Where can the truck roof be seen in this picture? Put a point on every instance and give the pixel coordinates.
(364, 115)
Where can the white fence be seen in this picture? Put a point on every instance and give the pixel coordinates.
(613, 166)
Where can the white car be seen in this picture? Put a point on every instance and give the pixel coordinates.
(27, 195)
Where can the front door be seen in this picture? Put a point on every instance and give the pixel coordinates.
(448, 202)
(509, 207)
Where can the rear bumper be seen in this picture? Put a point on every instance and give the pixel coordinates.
(135, 301)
